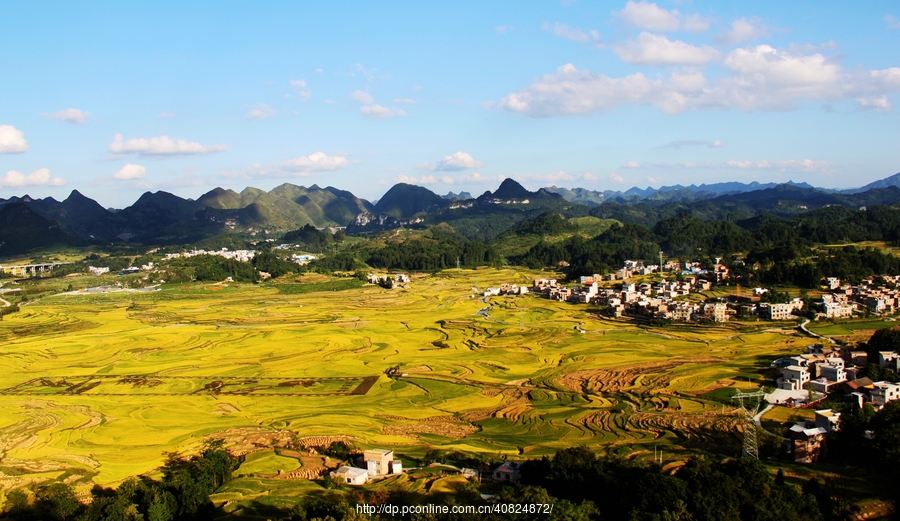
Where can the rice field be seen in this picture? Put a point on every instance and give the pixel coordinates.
(95, 388)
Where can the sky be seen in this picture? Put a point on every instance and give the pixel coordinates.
(118, 98)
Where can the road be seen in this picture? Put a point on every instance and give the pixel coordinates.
(815, 335)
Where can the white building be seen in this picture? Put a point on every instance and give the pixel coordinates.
(884, 392)
(889, 359)
(837, 310)
(351, 475)
(380, 462)
(794, 378)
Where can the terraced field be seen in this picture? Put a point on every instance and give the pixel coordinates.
(96, 388)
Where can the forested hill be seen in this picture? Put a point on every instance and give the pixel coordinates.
(162, 218)
(784, 249)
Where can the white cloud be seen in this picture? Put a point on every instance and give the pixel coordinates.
(453, 163)
(408, 101)
(877, 103)
(694, 142)
(131, 171)
(571, 33)
(503, 29)
(12, 140)
(477, 178)
(556, 177)
(73, 116)
(166, 115)
(40, 177)
(743, 30)
(362, 97)
(616, 178)
(652, 49)
(695, 23)
(370, 74)
(794, 165)
(653, 180)
(317, 162)
(631, 164)
(262, 111)
(379, 112)
(299, 86)
(760, 78)
(802, 48)
(161, 146)
(650, 16)
(893, 23)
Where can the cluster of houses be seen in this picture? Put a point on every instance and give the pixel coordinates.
(238, 255)
(822, 370)
(825, 369)
(388, 281)
(379, 463)
(844, 299)
(94, 270)
(649, 300)
(505, 289)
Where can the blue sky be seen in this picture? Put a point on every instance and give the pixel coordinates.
(115, 100)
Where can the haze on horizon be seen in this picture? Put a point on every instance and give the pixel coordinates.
(599, 95)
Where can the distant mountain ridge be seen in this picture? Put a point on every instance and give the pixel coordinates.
(164, 218)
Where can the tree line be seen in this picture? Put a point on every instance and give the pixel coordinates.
(772, 250)
(181, 494)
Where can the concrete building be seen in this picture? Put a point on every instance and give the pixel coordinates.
(883, 392)
(828, 420)
(889, 359)
(380, 462)
(807, 443)
(794, 378)
(715, 312)
(351, 475)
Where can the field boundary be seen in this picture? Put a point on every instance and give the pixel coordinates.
(145, 385)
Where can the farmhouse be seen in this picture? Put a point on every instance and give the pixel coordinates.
(381, 462)
(808, 438)
(351, 475)
(508, 471)
(807, 443)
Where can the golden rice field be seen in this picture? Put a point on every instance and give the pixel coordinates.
(95, 388)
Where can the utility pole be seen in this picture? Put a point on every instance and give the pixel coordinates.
(751, 449)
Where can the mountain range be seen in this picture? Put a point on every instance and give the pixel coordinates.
(164, 218)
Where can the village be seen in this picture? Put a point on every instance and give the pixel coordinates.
(809, 378)
(666, 299)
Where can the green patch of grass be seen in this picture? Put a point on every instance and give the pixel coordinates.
(266, 463)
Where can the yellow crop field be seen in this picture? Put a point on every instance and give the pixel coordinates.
(97, 387)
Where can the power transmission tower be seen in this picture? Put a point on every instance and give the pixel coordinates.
(750, 403)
